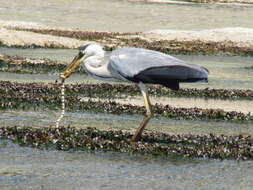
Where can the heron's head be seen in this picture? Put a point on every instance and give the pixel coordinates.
(91, 50)
(85, 51)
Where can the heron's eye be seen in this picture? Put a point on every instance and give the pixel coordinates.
(81, 53)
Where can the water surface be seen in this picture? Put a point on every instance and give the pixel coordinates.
(121, 15)
(228, 72)
(244, 106)
(102, 121)
(27, 168)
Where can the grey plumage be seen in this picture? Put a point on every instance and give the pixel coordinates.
(147, 66)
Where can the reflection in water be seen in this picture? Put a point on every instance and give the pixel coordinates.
(26, 168)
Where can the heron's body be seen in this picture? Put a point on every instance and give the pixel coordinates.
(139, 66)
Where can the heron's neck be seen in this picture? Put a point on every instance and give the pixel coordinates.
(96, 66)
(95, 60)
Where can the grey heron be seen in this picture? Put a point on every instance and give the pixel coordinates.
(136, 65)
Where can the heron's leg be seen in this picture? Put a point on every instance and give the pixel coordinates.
(148, 115)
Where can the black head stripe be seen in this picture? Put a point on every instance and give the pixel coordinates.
(82, 48)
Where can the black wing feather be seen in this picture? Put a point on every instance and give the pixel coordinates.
(168, 76)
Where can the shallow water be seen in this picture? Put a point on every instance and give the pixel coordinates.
(46, 78)
(121, 15)
(27, 168)
(244, 106)
(228, 72)
(122, 122)
(61, 55)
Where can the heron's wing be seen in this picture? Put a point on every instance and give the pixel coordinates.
(148, 66)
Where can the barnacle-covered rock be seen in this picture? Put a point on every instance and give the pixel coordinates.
(17, 64)
(121, 90)
(69, 138)
(35, 95)
(113, 40)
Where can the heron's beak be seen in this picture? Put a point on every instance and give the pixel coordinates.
(72, 66)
